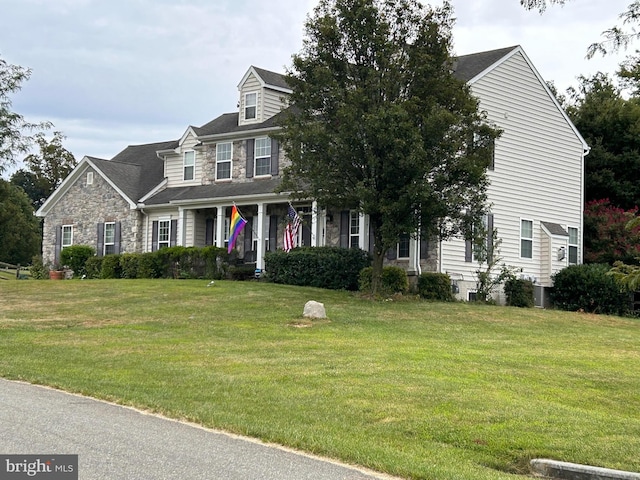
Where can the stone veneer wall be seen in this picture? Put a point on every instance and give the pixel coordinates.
(84, 206)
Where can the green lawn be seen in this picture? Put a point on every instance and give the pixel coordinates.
(414, 389)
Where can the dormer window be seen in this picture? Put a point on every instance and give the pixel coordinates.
(189, 165)
(250, 106)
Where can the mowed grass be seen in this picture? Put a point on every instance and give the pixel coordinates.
(414, 389)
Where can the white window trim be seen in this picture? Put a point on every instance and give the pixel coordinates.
(255, 106)
(105, 243)
(230, 161)
(256, 157)
(62, 244)
(525, 238)
(162, 243)
(354, 215)
(408, 250)
(576, 245)
(89, 178)
(185, 166)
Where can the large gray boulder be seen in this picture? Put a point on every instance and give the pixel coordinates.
(314, 309)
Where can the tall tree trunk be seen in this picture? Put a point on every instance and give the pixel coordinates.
(378, 253)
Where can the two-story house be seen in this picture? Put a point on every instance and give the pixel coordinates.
(180, 192)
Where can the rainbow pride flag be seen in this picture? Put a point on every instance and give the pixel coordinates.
(235, 227)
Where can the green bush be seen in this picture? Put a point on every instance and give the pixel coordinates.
(129, 263)
(110, 266)
(324, 267)
(75, 257)
(589, 288)
(393, 280)
(435, 286)
(241, 272)
(94, 267)
(37, 269)
(519, 292)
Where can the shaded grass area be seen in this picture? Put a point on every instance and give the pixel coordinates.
(415, 389)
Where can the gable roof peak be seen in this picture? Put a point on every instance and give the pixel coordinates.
(267, 78)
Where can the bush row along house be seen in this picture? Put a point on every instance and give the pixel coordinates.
(180, 192)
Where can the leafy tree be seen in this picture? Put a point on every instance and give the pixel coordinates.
(19, 228)
(609, 123)
(629, 275)
(45, 170)
(615, 38)
(378, 122)
(607, 237)
(13, 127)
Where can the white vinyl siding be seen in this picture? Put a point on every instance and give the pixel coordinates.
(174, 167)
(538, 165)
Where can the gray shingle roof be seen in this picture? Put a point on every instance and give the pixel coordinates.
(223, 190)
(272, 78)
(466, 67)
(555, 229)
(228, 123)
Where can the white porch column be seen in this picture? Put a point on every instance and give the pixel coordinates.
(260, 234)
(362, 231)
(182, 227)
(414, 245)
(314, 224)
(220, 227)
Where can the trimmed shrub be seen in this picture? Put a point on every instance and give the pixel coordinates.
(129, 265)
(150, 265)
(324, 267)
(94, 267)
(75, 257)
(435, 286)
(110, 266)
(394, 280)
(519, 293)
(589, 288)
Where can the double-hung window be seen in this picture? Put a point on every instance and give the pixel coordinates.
(354, 229)
(223, 160)
(403, 246)
(573, 245)
(109, 238)
(262, 156)
(250, 106)
(189, 165)
(526, 238)
(164, 233)
(67, 235)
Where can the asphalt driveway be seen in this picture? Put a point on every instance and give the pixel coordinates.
(114, 442)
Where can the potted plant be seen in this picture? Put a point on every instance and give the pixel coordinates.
(56, 272)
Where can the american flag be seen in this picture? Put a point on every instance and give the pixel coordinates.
(291, 230)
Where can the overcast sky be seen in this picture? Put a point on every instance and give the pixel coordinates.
(112, 73)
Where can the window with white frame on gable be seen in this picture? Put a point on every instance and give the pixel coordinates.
(262, 151)
(189, 165)
(67, 236)
(224, 152)
(526, 238)
(573, 245)
(354, 229)
(164, 233)
(250, 106)
(109, 238)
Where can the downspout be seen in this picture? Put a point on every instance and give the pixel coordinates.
(146, 230)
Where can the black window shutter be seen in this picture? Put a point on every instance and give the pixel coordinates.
(248, 240)
(273, 233)
(117, 233)
(306, 235)
(173, 240)
(208, 232)
(154, 236)
(274, 157)
(58, 244)
(100, 243)
(424, 248)
(250, 155)
(345, 223)
(468, 251)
